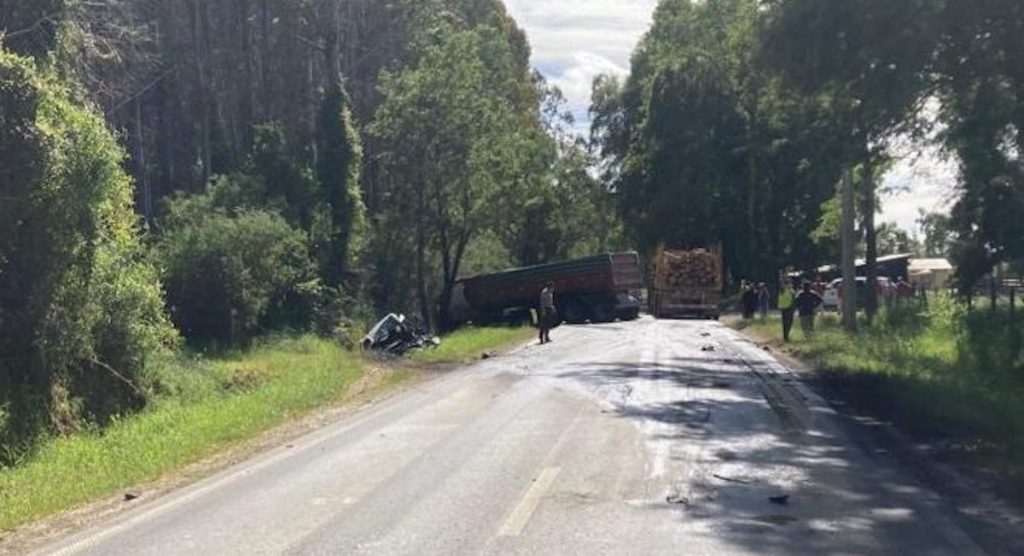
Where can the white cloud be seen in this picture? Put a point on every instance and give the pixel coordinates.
(577, 79)
(575, 40)
(924, 180)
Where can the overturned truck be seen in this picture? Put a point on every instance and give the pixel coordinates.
(595, 289)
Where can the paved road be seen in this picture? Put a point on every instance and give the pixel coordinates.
(650, 437)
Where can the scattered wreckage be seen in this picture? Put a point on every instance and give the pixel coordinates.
(393, 335)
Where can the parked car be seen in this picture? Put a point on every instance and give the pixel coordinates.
(833, 297)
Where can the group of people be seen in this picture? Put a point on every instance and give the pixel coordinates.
(755, 298)
(805, 304)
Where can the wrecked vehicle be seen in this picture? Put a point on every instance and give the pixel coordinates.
(395, 336)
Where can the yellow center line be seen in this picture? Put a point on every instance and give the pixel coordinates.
(517, 521)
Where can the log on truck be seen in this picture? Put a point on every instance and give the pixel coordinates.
(594, 289)
(686, 283)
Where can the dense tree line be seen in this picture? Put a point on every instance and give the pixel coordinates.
(740, 116)
(81, 308)
(297, 166)
(707, 145)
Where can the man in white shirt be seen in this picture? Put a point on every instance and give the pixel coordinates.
(546, 318)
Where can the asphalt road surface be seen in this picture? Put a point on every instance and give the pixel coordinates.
(651, 437)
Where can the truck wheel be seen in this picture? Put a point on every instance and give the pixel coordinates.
(603, 313)
(574, 312)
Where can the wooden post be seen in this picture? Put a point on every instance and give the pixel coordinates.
(1013, 300)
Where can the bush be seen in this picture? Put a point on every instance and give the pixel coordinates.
(81, 310)
(231, 276)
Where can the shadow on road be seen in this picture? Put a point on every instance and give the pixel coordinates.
(744, 476)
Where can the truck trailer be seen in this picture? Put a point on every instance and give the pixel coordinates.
(594, 289)
(686, 283)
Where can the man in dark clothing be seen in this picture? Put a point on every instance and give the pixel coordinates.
(748, 299)
(763, 299)
(546, 318)
(806, 304)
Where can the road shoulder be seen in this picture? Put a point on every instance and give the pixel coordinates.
(382, 382)
(993, 521)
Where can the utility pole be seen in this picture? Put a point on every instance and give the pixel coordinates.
(849, 263)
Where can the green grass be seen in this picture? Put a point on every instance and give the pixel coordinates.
(205, 407)
(939, 372)
(471, 343)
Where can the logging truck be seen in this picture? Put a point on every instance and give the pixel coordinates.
(686, 283)
(595, 289)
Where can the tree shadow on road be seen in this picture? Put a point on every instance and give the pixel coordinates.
(733, 454)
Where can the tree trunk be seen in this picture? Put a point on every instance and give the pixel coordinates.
(421, 258)
(202, 89)
(332, 41)
(141, 172)
(452, 265)
(849, 263)
(421, 276)
(871, 243)
(263, 66)
(250, 101)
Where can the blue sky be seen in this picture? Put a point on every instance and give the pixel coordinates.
(576, 40)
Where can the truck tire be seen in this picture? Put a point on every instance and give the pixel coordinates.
(574, 311)
(603, 313)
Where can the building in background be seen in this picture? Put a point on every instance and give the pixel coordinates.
(932, 274)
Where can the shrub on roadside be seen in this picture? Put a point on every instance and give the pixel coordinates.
(231, 276)
(81, 310)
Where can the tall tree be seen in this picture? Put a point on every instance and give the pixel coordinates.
(705, 144)
(868, 58)
(339, 153)
(452, 122)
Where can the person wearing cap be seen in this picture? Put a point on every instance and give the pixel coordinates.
(546, 319)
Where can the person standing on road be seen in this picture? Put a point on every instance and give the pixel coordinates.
(787, 306)
(546, 319)
(763, 300)
(806, 304)
(748, 299)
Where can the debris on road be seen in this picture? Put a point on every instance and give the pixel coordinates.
(489, 355)
(707, 348)
(129, 496)
(677, 499)
(779, 500)
(392, 335)
(730, 479)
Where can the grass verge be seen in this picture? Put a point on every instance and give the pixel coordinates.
(471, 343)
(204, 407)
(945, 375)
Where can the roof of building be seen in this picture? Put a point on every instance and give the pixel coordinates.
(930, 264)
(863, 262)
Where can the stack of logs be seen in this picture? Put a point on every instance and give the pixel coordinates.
(687, 269)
